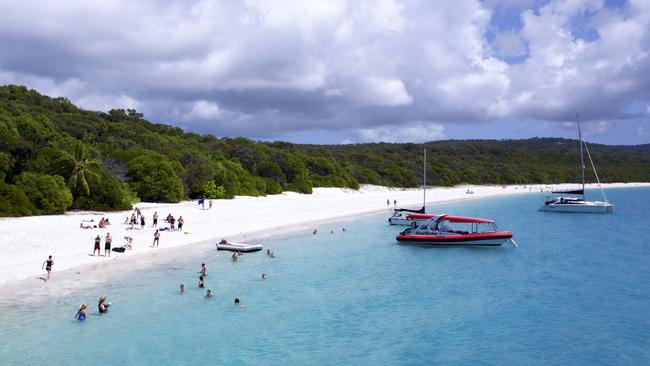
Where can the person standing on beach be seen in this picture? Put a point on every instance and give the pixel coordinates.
(395, 203)
(142, 222)
(48, 267)
(387, 202)
(155, 219)
(180, 223)
(98, 241)
(210, 204)
(107, 244)
(156, 238)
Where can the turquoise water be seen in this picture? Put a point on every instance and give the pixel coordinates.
(575, 292)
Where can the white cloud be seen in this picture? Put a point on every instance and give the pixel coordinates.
(288, 66)
(417, 132)
(203, 110)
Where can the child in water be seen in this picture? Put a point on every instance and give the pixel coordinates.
(81, 313)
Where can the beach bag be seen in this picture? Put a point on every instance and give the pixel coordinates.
(119, 249)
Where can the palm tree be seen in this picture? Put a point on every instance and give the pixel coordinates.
(78, 165)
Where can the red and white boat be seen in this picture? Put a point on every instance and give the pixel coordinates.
(455, 230)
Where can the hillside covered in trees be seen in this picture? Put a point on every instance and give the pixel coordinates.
(55, 157)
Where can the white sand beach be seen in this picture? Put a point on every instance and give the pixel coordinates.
(26, 242)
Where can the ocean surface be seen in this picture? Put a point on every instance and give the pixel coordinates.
(575, 292)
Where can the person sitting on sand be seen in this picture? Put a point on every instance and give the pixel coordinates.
(102, 305)
(204, 270)
(201, 283)
(81, 225)
(129, 242)
(81, 313)
(209, 293)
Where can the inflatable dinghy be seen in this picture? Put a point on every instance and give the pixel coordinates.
(238, 247)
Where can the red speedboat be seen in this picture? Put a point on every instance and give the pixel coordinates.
(455, 230)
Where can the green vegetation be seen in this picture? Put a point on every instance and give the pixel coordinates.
(55, 156)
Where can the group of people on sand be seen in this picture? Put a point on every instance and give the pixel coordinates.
(171, 220)
(388, 203)
(201, 284)
(202, 203)
(108, 243)
(103, 223)
(102, 307)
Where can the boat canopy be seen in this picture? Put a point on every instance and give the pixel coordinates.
(577, 191)
(407, 210)
(451, 218)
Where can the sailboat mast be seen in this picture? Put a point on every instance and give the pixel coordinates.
(582, 159)
(424, 180)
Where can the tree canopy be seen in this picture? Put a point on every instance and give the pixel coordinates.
(55, 156)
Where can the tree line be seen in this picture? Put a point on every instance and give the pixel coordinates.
(55, 157)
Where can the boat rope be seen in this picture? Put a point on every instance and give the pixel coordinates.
(596, 174)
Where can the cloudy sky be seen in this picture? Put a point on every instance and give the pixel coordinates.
(337, 71)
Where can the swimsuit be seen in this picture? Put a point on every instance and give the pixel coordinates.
(48, 265)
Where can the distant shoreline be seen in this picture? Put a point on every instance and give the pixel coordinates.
(27, 241)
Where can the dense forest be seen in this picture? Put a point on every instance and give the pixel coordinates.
(55, 157)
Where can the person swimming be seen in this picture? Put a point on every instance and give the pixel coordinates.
(102, 305)
(209, 293)
(235, 256)
(263, 275)
(204, 270)
(201, 283)
(238, 303)
(182, 288)
(81, 313)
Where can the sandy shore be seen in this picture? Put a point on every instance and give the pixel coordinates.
(26, 242)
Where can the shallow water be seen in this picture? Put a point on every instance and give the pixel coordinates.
(574, 292)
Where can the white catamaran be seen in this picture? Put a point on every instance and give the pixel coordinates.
(574, 200)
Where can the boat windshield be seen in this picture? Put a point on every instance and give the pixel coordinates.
(463, 227)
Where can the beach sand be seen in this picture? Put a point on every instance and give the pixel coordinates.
(27, 241)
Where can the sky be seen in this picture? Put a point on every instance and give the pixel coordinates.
(337, 71)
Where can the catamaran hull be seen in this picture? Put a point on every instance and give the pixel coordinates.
(591, 207)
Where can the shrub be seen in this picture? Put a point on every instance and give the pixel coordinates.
(47, 193)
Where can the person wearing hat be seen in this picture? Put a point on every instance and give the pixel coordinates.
(102, 306)
(81, 313)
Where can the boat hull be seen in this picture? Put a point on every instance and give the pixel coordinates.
(240, 247)
(492, 239)
(586, 207)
